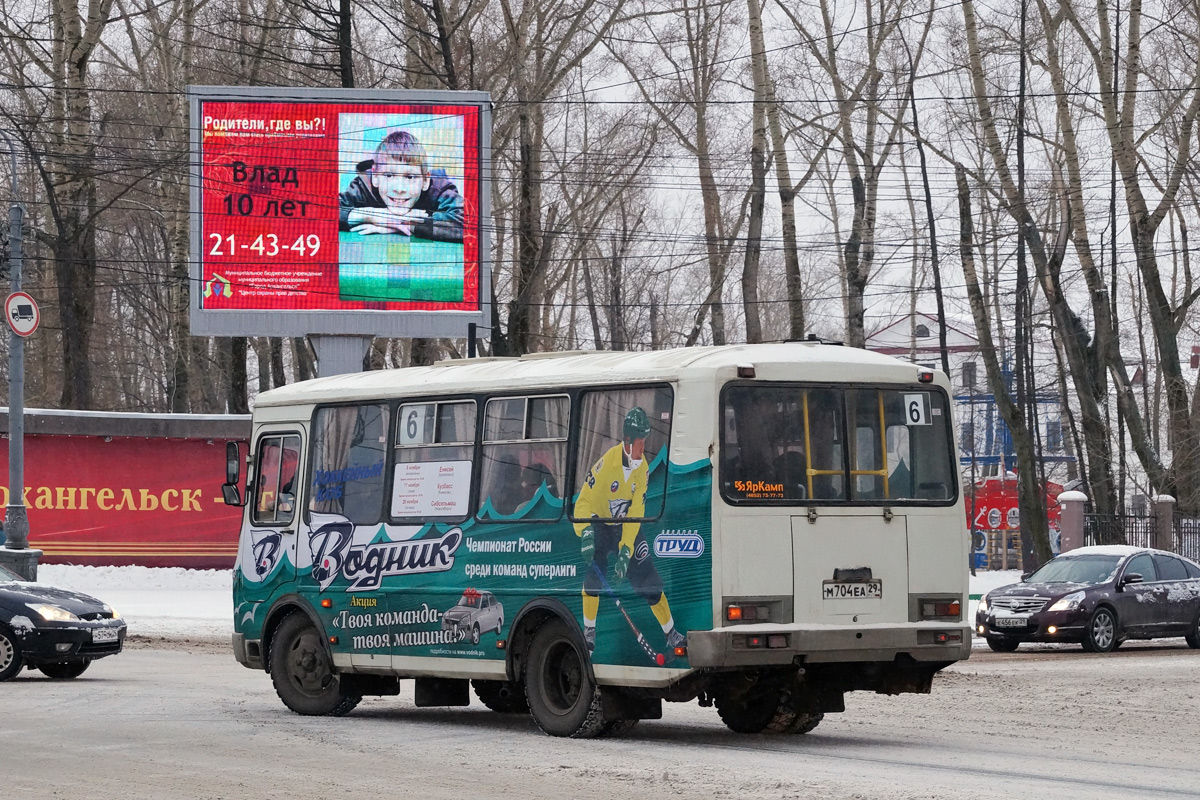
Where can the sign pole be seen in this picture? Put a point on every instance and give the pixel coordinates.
(16, 521)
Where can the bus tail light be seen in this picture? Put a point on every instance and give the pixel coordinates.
(735, 612)
(938, 608)
(947, 637)
(680, 651)
(773, 641)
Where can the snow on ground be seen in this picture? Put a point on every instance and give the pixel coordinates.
(168, 601)
(173, 602)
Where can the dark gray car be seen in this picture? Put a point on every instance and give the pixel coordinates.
(1096, 596)
(57, 631)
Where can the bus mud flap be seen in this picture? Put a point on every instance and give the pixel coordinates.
(620, 704)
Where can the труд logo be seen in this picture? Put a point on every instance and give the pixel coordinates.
(679, 544)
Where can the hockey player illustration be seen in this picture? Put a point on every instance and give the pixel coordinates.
(615, 489)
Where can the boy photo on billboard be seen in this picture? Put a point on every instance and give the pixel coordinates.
(396, 191)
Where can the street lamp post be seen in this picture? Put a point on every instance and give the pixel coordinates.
(16, 553)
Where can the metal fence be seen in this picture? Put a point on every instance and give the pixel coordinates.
(1187, 537)
(1130, 529)
(1139, 531)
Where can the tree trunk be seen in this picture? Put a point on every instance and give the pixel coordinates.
(758, 180)
(1031, 498)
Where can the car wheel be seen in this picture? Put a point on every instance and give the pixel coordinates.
(501, 696)
(1193, 634)
(10, 654)
(65, 670)
(1101, 634)
(499, 625)
(303, 672)
(562, 697)
(1003, 645)
(475, 633)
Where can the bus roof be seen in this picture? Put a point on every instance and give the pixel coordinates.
(560, 369)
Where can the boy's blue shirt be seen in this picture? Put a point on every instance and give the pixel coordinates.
(441, 201)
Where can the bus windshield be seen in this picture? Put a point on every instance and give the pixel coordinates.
(796, 444)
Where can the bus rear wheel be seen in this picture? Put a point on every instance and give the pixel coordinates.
(562, 697)
(502, 697)
(302, 671)
(769, 709)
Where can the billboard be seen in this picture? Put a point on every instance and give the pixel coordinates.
(128, 500)
(339, 211)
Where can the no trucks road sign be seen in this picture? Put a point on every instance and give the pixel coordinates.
(22, 313)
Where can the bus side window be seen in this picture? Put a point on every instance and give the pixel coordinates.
(275, 480)
(349, 454)
(619, 430)
(524, 457)
(435, 452)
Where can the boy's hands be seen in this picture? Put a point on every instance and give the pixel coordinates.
(384, 220)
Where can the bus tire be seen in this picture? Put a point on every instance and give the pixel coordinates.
(302, 671)
(503, 697)
(756, 711)
(620, 727)
(561, 695)
(805, 714)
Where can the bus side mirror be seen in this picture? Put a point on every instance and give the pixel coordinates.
(234, 458)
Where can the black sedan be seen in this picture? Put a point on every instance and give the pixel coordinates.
(1098, 597)
(57, 631)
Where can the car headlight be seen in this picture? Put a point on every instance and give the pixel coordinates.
(115, 614)
(1068, 602)
(983, 605)
(52, 613)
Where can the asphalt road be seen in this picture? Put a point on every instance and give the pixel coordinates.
(192, 723)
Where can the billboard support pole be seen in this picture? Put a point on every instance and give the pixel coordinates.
(339, 355)
(16, 520)
(472, 335)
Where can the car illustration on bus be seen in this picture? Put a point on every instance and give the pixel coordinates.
(476, 612)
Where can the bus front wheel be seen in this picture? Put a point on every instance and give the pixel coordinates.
(501, 696)
(562, 697)
(302, 671)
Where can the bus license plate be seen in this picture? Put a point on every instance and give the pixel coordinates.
(1010, 622)
(104, 635)
(836, 590)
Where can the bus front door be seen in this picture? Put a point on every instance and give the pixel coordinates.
(274, 502)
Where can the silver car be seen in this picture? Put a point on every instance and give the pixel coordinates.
(475, 613)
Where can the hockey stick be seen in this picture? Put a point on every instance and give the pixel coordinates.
(655, 656)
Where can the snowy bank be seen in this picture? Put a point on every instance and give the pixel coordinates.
(179, 603)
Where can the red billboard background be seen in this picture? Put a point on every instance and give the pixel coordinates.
(269, 193)
(125, 500)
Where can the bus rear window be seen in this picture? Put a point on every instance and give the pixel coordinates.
(793, 444)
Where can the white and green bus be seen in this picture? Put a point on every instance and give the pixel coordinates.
(581, 536)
